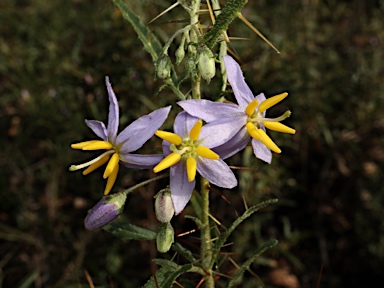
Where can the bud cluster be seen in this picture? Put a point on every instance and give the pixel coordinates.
(164, 211)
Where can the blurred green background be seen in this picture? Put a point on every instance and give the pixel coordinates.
(54, 56)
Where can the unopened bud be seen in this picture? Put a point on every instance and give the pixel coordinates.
(180, 53)
(164, 238)
(105, 211)
(164, 206)
(206, 63)
(163, 67)
(190, 65)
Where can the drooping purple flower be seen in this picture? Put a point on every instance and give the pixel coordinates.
(188, 150)
(119, 146)
(244, 121)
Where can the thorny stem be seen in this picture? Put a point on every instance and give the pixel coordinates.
(206, 252)
(194, 14)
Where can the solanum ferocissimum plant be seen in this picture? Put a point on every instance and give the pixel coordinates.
(193, 148)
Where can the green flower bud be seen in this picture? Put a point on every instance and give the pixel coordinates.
(163, 67)
(206, 63)
(165, 238)
(190, 65)
(180, 53)
(105, 211)
(164, 206)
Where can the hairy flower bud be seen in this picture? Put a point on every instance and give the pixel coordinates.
(165, 238)
(180, 53)
(105, 211)
(190, 65)
(206, 63)
(164, 206)
(163, 67)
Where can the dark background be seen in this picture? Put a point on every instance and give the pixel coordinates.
(54, 56)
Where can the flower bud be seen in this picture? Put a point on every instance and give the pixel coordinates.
(163, 67)
(164, 206)
(190, 65)
(180, 53)
(164, 238)
(206, 63)
(105, 211)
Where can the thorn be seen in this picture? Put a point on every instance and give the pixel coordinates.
(242, 18)
(165, 11)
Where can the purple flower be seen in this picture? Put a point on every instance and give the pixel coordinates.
(119, 146)
(244, 121)
(189, 150)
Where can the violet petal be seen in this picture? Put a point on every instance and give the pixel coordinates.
(140, 161)
(181, 188)
(261, 151)
(139, 131)
(98, 128)
(241, 90)
(113, 115)
(216, 172)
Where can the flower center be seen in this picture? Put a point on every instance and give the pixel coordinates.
(187, 149)
(256, 121)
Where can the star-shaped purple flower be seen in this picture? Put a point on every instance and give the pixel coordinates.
(244, 121)
(188, 150)
(119, 146)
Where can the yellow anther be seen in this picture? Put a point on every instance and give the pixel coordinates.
(113, 162)
(169, 136)
(251, 107)
(207, 153)
(268, 103)
(253, 131)
(268, 141)
(96, 165)
(195, 131)
(277, 126)
(191, 168)
(98, 145)
(167, 162)
(111, 180)
(82, 144)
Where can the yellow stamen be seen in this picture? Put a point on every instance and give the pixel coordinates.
(268, 141)
(268, 103)
(111, 180)
(277, 126)
(191, 168)
(167, 162)
(169, 136)
(96, 165)
(251, 107)
(113, 162)
(195, 131)
(98, 145)
(82, 144)
(253, 131)
(207, 153)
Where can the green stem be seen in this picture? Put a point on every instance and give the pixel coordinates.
(206, 251)
(194, 14)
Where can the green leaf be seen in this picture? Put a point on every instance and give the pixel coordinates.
(167, 274)
(177, 247)
(239, 272)
(224, 236)
(196, 220)
(196, 203)
(227, 15)
(150, 42)
(128, 231)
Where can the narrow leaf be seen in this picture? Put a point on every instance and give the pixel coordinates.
(239, 272)
(168, 283)
(177, 247)
(224, 236)
(128, 231)
(150, 42)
